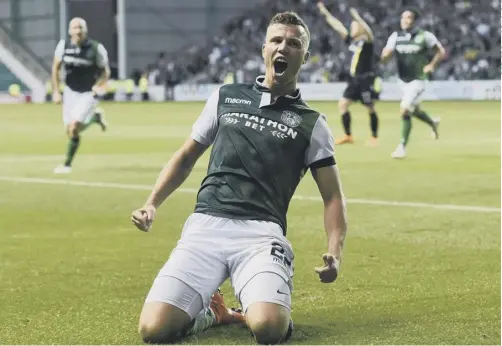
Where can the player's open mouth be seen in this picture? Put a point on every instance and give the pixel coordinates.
(280, 66)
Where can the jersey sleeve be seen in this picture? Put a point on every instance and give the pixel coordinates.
(206, 126)
(321, 151)
(102, 56)
(59, 52)
(431, 40)
(391, 42)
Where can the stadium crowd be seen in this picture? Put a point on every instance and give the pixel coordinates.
(468, 30)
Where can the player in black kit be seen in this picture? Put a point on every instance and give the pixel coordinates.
(363, 84)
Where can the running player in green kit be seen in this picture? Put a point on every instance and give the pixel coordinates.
(411, 46)
(86, 68)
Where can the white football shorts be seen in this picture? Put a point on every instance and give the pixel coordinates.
(254, 254)
(78, 106)
(412, 94)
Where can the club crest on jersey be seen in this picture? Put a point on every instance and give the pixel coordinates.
(419, 39)
(291, 119)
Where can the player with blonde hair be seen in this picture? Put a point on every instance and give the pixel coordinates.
(86, 68)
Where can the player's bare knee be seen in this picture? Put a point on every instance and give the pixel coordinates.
(268, 322)
(343, 105)
(155, 334)
(74, 133)
(158, 332)
(69, 131)
(161, 323)
(269, 331)
(73, 130)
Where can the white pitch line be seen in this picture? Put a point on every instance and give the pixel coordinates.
(29, 158)
(478, 209)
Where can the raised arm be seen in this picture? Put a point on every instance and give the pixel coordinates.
(333, 22)
(357, 17)
(181, 164)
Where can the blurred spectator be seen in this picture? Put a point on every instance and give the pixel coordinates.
(468, 29)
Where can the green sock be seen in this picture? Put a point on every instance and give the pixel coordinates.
(203, 321)
(94, 120)
(420, 114)
(72, 149)
(405, 129)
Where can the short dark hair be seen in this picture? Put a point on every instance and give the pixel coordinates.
(290, 18)
(415, 11)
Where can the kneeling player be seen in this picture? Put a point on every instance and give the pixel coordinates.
(263, 137)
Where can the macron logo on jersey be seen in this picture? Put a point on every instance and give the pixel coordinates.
(237, 101)
(71, 60)
(408, 48)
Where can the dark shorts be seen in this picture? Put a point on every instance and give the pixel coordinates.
(361, 89)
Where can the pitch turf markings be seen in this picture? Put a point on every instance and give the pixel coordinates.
(97, 184)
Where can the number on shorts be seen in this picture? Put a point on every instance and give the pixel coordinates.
(278, 253)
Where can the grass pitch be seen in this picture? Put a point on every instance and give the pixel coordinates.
(73, 270)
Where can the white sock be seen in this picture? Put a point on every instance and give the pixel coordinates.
(203, 321)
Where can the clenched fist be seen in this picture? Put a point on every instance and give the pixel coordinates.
(143, 217)
(329, 272)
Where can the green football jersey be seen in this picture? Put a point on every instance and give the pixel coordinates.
(412, 52)
(261, 150)
(82, 63)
